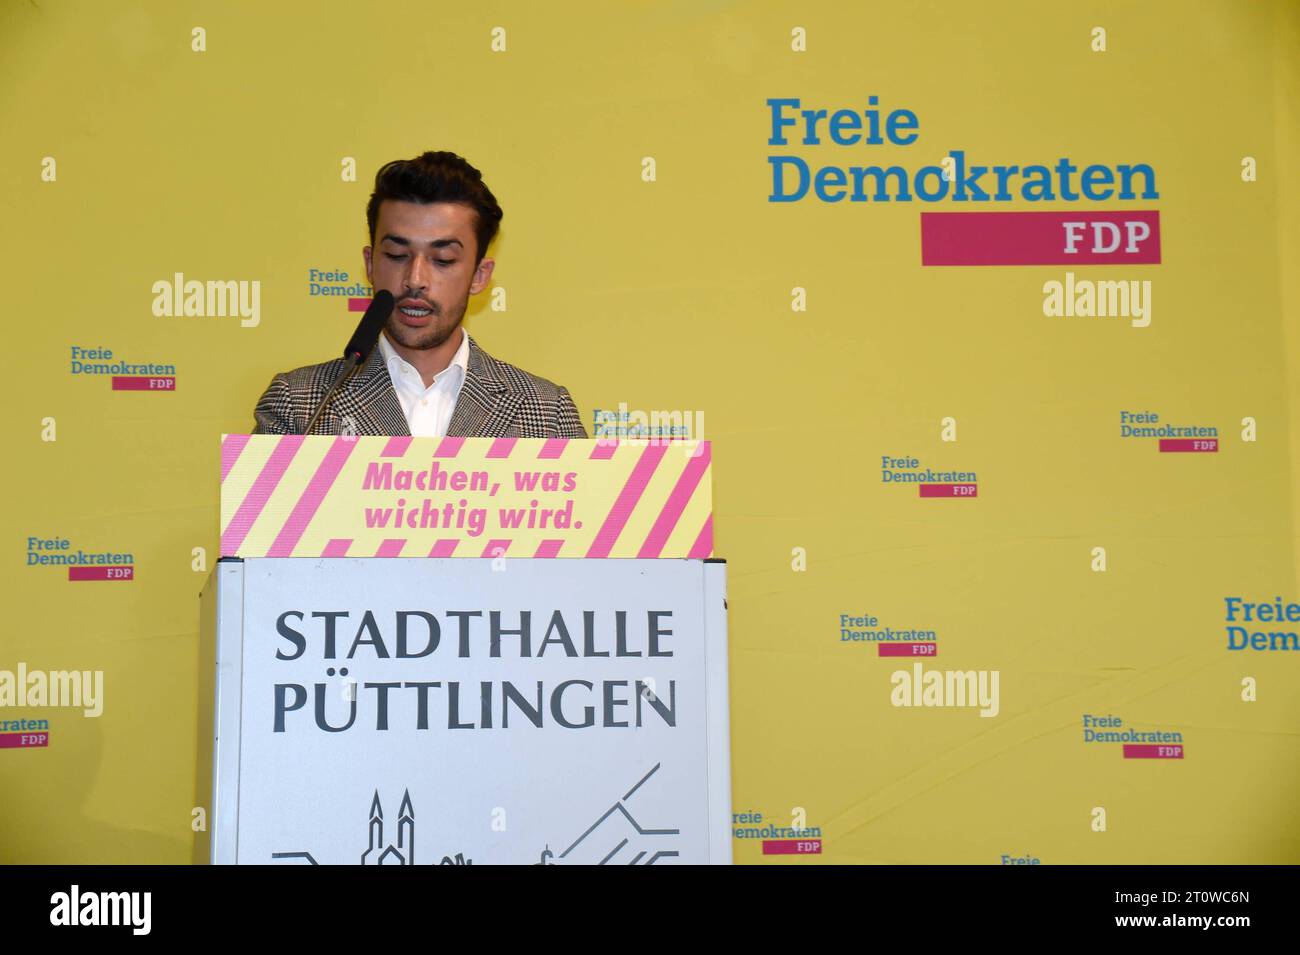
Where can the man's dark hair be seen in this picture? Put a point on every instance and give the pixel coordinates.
(437, 177)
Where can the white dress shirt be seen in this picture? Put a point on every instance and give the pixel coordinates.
(428, 410)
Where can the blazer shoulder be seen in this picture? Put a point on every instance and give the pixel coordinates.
(288, 400)
(312, 377)
(557, 414)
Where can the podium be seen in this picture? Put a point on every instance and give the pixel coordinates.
(392, 702)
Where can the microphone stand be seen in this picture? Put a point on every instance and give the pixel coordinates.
(353, 360)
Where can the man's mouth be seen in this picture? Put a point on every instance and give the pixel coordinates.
(413, 309)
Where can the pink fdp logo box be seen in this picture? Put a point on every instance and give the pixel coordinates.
(372, 496)
(1152, 751)
(792, 847)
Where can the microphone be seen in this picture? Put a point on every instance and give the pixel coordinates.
(372, 323)
(360, 345)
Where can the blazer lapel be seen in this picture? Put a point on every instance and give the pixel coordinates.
(486, 406)
(369, 399)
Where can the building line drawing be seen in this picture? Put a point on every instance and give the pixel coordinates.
(378, 851)
(401, 853)
(618, 807)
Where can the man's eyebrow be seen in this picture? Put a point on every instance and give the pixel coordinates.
(435, 244)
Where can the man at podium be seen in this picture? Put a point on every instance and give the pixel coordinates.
(431, 220)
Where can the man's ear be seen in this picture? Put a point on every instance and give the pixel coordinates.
(370, 277)
(482, 276)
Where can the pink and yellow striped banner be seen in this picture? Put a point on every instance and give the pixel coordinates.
(295, 496)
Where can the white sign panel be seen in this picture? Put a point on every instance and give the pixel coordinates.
(465, 711)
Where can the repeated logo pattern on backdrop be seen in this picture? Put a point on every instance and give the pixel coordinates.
(987, 318)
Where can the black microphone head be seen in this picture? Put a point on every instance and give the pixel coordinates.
(366, 336)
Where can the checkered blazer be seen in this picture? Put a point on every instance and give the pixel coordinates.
(496, 400)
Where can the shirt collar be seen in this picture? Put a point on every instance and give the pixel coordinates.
(398, 366)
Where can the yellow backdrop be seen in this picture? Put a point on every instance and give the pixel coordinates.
(642, 265)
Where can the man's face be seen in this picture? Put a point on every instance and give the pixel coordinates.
(424, 255)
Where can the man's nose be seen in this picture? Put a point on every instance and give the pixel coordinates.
(417, 274)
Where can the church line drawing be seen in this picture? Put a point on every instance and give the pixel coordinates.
(403, 851)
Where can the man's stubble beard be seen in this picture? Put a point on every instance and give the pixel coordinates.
(422, 339)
